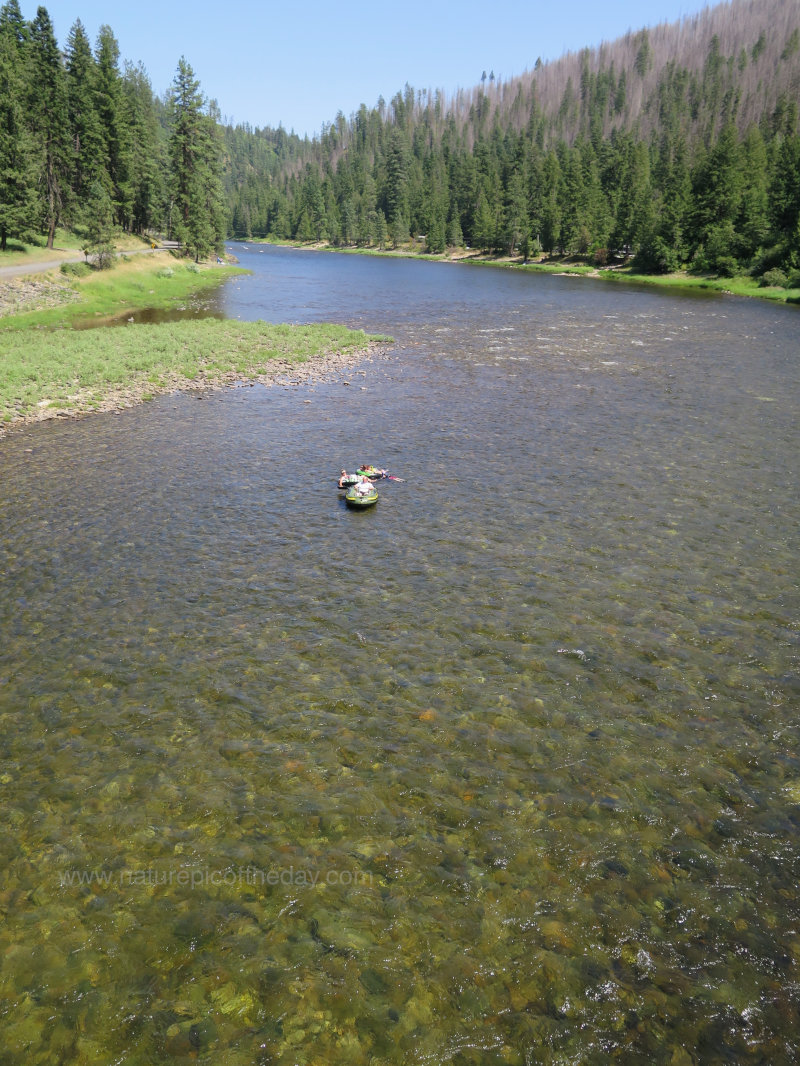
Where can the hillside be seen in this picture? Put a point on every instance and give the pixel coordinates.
(678, 142)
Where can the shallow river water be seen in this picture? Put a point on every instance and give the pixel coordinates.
(504, 770)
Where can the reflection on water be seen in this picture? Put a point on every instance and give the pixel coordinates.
(503, 770)
(153, 315)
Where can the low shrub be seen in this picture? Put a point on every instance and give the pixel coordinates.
(75, 270)
(727, 266)
(766, 259)
(655, 256)
(774, 278)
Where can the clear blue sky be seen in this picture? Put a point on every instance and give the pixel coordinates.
(268, 61)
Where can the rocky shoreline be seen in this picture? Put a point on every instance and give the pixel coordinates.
(21, 294)
(332, 367)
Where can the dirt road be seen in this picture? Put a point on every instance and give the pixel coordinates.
(41, 267)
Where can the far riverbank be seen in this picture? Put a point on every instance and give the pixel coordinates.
(575, 266)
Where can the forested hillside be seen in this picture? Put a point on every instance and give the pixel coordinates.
(679, 143)
(88, 146)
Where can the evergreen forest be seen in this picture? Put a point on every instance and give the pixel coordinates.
(674, 147)
(86, 145)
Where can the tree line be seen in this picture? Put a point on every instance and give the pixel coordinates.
(679, 146)
(88, 146)
(634, 148)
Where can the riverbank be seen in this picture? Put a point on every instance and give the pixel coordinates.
(113, 369)
(572, 266)
(99, 365)
(76, 295)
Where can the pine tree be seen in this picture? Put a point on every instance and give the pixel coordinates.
(381, 229)
(49, 119)
(148, 163)
(551, 207)
(573, 227)
(785, 199)
(196, 156)
(17, 172)
(455, 236)
(483, 229)
(397, 186)
(13, 25)
(516, 225)
(98, 225)
(717, 186)
(86, 140)
(753, 219)
(114, 124)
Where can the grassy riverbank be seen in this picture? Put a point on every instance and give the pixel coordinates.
(49, 369)
(78, 371)
(739, 286)
(576, 266)
(56, 300)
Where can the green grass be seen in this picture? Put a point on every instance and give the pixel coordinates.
(65, 243)
(744, 285)
(79, 369)
(153, 281)
(36, 250)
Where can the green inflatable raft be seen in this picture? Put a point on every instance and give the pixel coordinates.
(357, 499)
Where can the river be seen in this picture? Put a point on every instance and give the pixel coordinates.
(501, 771)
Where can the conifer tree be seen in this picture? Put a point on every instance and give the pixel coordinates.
(455, 235)
(483, 229)
(49, 120)
(114, 124)
(717, 194)
(97, 223)
(17, 171)
(516, 226)
(148, 162)
(551, 208)
(397, 185)
(14, 26)
(381, 229)
(196, 157)
(86, 140)
(785, 199)
(753, 221)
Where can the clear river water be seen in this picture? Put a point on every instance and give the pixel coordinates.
(503, 770)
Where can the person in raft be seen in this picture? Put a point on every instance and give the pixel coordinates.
(344, 479)
(372, 471)
(364, 487)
